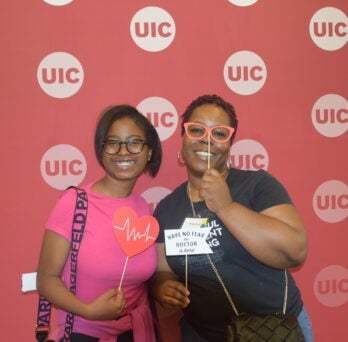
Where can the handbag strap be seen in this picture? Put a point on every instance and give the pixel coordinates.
(229, 298)
(44, 307)
(234, 308)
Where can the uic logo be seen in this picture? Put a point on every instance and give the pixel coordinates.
(58, 2)
(328, 28)
(331, 286)
(245, 72)
(60, 75)
(330, 201)
(249, 155)
(153, 195)
(152, 29)
(161, 113)
(242, 3)
(330, 115)
(62, 166)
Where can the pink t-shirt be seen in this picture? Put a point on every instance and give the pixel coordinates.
(101, 262)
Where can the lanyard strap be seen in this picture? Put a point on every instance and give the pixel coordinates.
(44, 307)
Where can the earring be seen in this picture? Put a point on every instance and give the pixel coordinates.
(181, 161)
(228, 163)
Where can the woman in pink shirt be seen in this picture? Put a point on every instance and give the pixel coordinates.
(126, 145)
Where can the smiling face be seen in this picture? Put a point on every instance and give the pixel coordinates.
(124, 165)
(196, 152)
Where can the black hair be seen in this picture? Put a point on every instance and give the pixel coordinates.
(113, 113)
(210, 99)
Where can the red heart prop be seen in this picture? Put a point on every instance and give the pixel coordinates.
(134, 234)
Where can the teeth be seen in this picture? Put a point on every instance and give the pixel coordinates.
(124, 162)
(204, 154)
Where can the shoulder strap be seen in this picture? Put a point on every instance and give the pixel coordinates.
(229, 298)
(44, 307)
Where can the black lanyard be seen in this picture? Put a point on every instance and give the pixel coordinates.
(44, 307)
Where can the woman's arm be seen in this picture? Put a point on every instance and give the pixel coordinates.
(276, 236)
(164, 285)
(54, 253)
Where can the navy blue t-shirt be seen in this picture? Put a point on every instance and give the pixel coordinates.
(254, 286)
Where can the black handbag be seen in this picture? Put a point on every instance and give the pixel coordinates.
(44, 306)
(247, 327)
(259, 328)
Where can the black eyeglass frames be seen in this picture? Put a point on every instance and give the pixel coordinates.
(133, 146)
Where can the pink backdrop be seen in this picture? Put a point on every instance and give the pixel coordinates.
(283, 64)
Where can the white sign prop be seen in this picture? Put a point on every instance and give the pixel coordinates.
(189, 239)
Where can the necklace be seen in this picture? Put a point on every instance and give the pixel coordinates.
(208, 256)
(190, 198)
(194, 215)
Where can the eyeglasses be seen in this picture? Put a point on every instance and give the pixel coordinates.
(133, 146)
(197, 131)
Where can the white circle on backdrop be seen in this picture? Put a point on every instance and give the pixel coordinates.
(63, 165)
(245, 72)
(330, 201)
(328, 28)
(152, 29)
(58, 2)
(330, 115)
(242, 3)
(249, 154)
(330, 286)
(60, 75)
(154, 195)
(161, 113)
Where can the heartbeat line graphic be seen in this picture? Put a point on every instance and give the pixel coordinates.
(133, 232)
